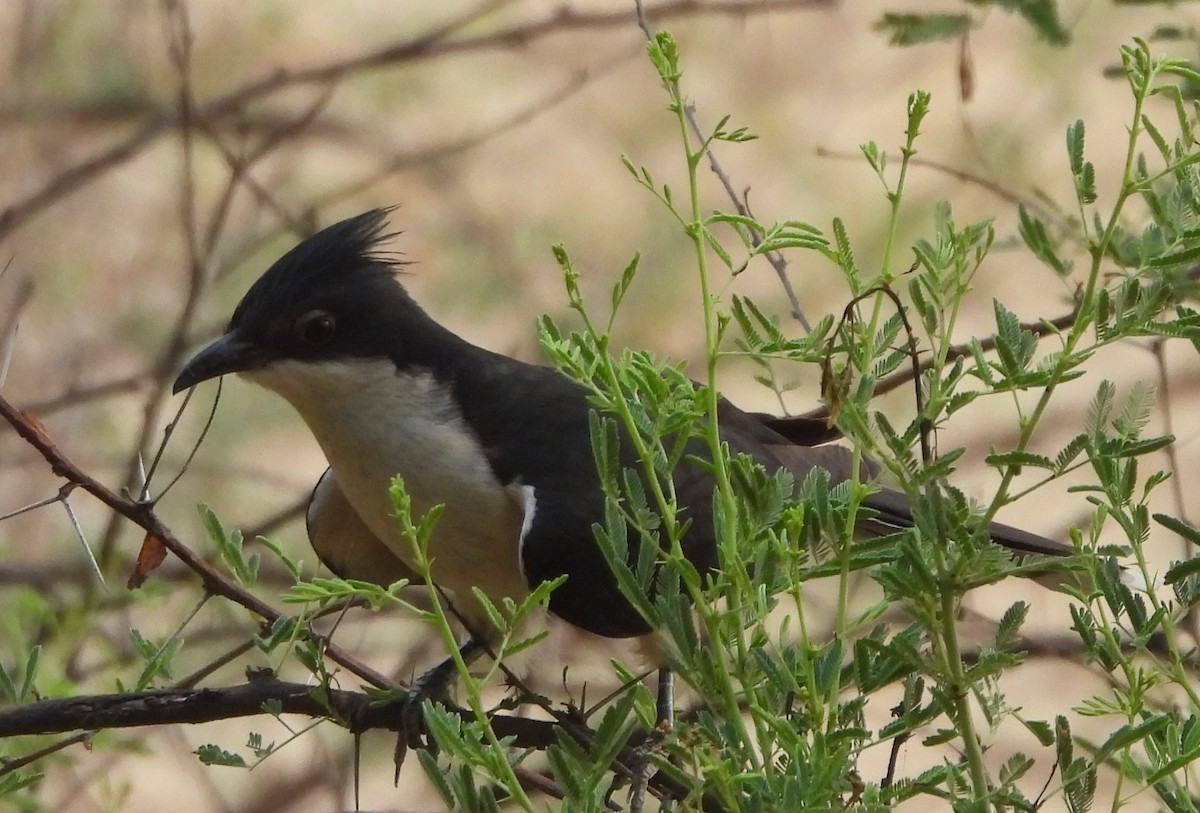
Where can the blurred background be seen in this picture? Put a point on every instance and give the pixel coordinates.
(157, 156)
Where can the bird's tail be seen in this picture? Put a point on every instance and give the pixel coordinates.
(894, 514)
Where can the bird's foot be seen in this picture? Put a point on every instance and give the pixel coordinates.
(641, 764)
(643, 769)
(434, 684)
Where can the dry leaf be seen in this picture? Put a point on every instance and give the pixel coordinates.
(151, 555)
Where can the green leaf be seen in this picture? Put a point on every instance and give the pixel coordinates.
(612, 735)
(717, 247)
(1182, 70)
(733, 218)
(1182, 257)
(1080, 789)
(1042, 15)
(229, 546)
(1135, 411)
(1127, 735)
(913, 29)
(493, 613)
(1014, 346)
(761, 330)
(1010, 625)
(216, 755)
(31, 671)
(1016, 767)
(1069, 452)
(1160, 142)
(845, 253)
(1020, 459)
(8, 689)
(791, 240)
(1033, 232)
(1118, 447)
(1040, 729)
(255, 741)
(1182, 570)
(1063, 743)
(1096, 418)
(664, 53)
(622, 287)
(1186, 531)
(158, 659)
(1085, 184)
(737, 135)
(1075, 140)
(437, 776)
(293, 567)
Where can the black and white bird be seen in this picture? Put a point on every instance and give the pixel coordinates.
(504, 445)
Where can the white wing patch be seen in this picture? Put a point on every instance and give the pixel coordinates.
(528, 500)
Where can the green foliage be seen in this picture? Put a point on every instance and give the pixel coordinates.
(229, 547)
(158, 658)
(324, 592)
(784, 719)
(12, 691)
(914, 29)
(215, 755)
(792, 699)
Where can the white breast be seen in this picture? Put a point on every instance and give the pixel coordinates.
(374, 423)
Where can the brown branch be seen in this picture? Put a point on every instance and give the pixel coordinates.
(78, 395)
(1044, 327)
(200, 250)
(142, 514)
(435, 44)
(356, 710)
(16, 764)
(1040, 328)
(742, 204)
(1000, 191)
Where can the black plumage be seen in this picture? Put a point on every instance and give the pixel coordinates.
(488, 434)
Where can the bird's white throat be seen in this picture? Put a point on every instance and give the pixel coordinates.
(374, 422)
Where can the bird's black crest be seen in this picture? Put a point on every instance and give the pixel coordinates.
(339, 245)
(344, 251)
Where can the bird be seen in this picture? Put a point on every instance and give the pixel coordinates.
(502, 444)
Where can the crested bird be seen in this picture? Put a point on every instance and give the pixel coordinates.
(502, 444)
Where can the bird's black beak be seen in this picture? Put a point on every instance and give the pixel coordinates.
(228, 354)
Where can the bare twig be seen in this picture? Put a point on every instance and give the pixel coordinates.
(77, 396)
(742, 204)
(435, 44)
(142, 514)
(11, 322)
(358, 710)
(1000, 191)
(1044, 327)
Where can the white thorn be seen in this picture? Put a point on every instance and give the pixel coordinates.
(83, 541)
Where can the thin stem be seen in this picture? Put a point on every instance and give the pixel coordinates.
(1085, 309)
(952, 663)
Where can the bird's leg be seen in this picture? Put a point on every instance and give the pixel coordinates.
(431, 685)
(665, 705)
(665, 717)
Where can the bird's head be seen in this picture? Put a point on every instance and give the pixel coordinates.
(332, 298)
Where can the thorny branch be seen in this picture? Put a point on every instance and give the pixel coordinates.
(356, 710)
(142, 514)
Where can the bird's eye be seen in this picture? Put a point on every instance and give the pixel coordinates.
(315, 328)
